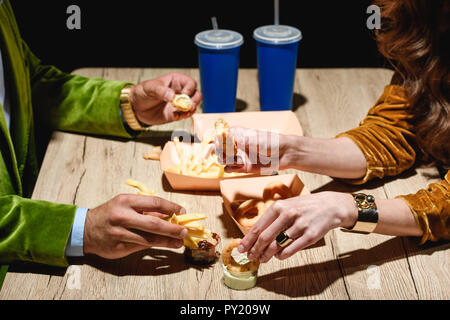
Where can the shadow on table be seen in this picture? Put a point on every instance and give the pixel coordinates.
(241, 105)
(150, 262)
(298, 101)
(340, 185)
(313, 279)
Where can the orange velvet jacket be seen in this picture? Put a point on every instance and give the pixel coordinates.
(386, 137)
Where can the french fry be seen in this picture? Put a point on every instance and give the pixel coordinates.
(196, 230)
(195, 225)
(143, 190)
(200, 160)
(155, 154)
(186, 218)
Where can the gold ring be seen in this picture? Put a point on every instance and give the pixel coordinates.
(283, 239)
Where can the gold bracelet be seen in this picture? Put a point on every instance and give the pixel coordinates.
(128, 112)
(367, 213)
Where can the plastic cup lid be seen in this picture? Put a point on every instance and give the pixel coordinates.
(219, 39)
(277, 34)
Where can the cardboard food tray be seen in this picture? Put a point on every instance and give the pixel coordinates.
(252, 188)
(169, 159)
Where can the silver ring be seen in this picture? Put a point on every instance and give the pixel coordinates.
(283, 239)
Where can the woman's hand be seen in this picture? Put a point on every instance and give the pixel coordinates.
(152, 99)
(130, 223)
(258, 150)
(306, 219)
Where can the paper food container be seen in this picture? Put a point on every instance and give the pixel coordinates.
(169, 159)
(284, 122)
(252, 188)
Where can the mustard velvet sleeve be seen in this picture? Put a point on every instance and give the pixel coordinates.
(385, 136)
(431, 209)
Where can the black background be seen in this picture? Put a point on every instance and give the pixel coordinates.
(160, 33)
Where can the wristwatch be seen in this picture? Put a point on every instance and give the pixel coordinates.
(367, 213)
(128, 112)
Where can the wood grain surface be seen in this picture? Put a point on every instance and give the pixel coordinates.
(88, 171)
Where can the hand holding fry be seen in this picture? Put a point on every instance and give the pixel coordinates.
(130, 223)
(152, 100)
(256, 150)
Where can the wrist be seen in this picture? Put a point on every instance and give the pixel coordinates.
(291, 151)
(86, 238)
(129, 111)
(349, 213)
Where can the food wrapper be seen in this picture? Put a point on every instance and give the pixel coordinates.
(169, 159)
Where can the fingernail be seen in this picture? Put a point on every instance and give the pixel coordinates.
(241, 248)
(251, 256)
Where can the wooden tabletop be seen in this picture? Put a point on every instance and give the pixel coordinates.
(88, 171)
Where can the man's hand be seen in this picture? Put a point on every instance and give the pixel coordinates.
(130, 223)
(152, 99)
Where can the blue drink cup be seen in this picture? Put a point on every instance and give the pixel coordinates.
(218, 57)
(277, 49)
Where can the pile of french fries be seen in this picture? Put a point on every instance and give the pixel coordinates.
(196, 230)
(197, 161)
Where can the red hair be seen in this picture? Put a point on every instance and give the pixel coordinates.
(415, 37)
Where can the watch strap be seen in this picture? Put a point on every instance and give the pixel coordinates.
(128, 112)
(367, 213)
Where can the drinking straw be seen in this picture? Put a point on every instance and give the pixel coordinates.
(214, 23)
(277, 12)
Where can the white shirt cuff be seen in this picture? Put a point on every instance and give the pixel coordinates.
(74, 246)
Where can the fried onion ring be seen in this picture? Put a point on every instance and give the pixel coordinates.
(249, 212)
(182, 102)
(232, 265)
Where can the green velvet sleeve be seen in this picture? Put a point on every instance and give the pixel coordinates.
(75, 103)
(33, 230)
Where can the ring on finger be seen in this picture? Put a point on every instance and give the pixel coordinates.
(283, 239)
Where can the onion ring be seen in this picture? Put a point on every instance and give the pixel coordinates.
(249, 212)
(232, 265)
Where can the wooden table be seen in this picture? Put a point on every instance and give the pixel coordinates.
(88, 171)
